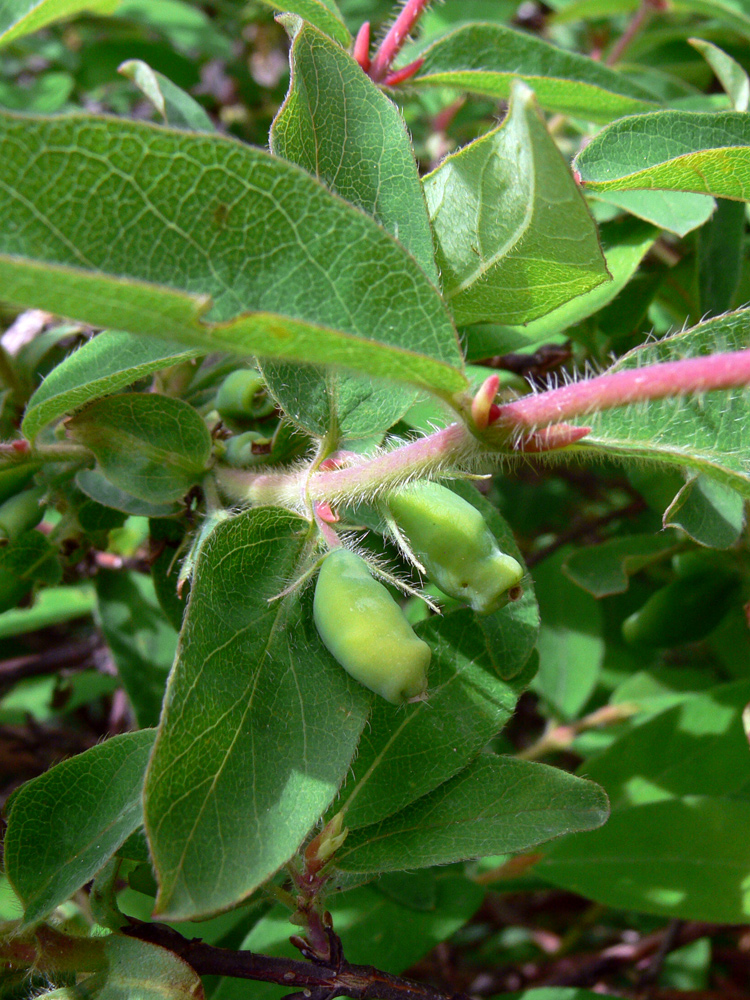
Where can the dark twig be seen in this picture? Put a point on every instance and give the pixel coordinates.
(584, 970)
(649, 975)
(310, 980)
(535, 367)
(67, 656)
(637, 23)
(584, 528)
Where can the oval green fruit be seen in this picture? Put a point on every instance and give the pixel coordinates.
(242, 397)
(686, 610)
(451, 539)
(239, 449)
(365, 630)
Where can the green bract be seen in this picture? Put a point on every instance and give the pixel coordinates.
(365, 630)
(457, 549)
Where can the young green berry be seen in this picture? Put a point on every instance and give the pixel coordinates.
(242, 397)
(365, 630)
(246, 449)
(459, 552)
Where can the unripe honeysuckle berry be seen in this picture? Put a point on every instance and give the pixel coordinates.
(366, 631)
(242, 397)
(458, 551)
(246, 449)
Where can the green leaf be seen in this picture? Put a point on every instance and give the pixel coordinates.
(438, 20)
(142, 642)
(476, 675)
(21, 17)
(671, 151)
(259, 727)
(697, 747)
(624, 241)
(102, 491)
(135, 969)
(154, 447)
(321, 14)
(496, 805)
(681, 858)
(105, 364)
(730, 74)
(339, 126)
(52, 606)
(31, 557)
(733, 13)
(183, 24)
(486, 58)
(661, 687)
(509, 634)
(571, 647)
(591, 9)
(176, 107)
(515, 238)
(44, 94)
(712, 514)
(360, 917)
(721, 251)
(606, 569)
(167, 539)
(558, 993)
(677, 785)
(125, 242)
(708, 433)
(402, 754)
(676, 211)
(67, 823)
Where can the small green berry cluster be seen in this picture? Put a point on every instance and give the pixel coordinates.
(364, 628)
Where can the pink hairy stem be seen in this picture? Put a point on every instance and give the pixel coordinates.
(667, 378)
(394, 40)
(533, 424)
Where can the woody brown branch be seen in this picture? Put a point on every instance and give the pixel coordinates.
(360, 982)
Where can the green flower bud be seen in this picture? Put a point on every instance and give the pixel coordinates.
(21, 512)
(242, 397)
(686, 610)
(457, 549)
(364, 629)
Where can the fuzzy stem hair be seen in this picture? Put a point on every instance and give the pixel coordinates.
(459, 448)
